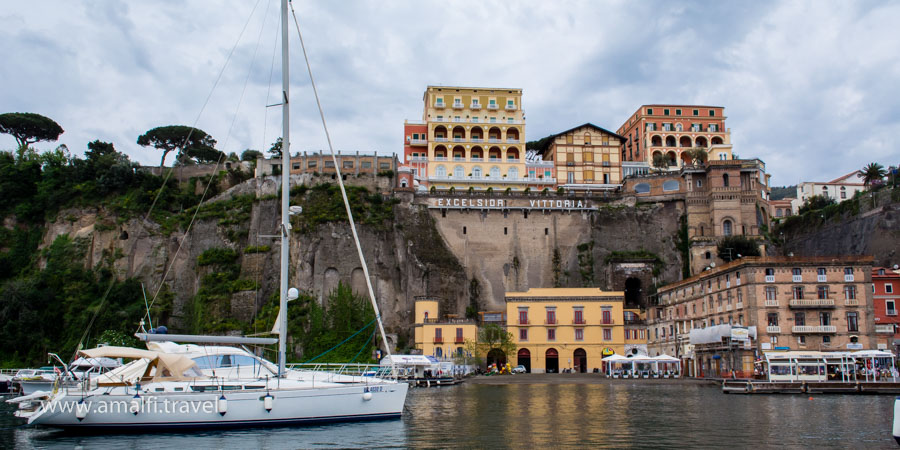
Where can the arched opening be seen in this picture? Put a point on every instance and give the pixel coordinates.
(633, 293)
(495, 154)
(524, 359)
(440, 132)
(656, 141)
(459, 153)
(686, 159)
(440, 171)
(512, 134)
(726, 227)
(403, 183)
(459, 172)
(438, 352)
(459, 133)
(678, 127)
(496, 356)
(654, 155)
(671, 159)
(701, 142)
(579, 357)
(725, 180)
(512, 154)
(552, 361)
(670, 141)
(477, 153)
(716, 140)
(512, 173)
(477, 134)
(685, 141)
(440, 151)
(494, 134)
(476, 172)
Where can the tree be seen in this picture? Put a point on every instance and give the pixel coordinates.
(816, 202)
(659, 161)
(698, 155)
(871, 173)
(29, 128)
(730, 247)
(189, 141)
(275, 149)
(490, 337)
(251, 155)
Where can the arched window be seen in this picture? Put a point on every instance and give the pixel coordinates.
(726, 227)
(725, 180)
(440, 171)
(476, 172)
(403, 183)
(512, 173)
(678, 127)
(438, 352)
(642, 188)
(459, 172)
(495, 172)
(671, 185)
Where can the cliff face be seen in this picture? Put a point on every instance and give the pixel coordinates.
(870, 228)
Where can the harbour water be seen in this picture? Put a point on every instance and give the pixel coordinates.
(609, 414)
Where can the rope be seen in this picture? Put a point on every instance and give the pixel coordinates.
(342, 342)
(366, 344)
(340, 180)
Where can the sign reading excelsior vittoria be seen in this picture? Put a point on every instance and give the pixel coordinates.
(510, 203)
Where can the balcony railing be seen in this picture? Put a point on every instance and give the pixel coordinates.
(512, 140)
(739, 305)
(797, 278)
(727, 307)
(417, 142)
(773, 329)
(438, 339)
(476, 139)
(510, 107)
(494, 140)
(493, 106)
(523, 321)
(457, 105)
(578, 322)
(476, 159)
(770, 278)
(475, 106)
(821, 278)
(500, 180)
(814, 329)
(440, 158)
(892, 312)
(885, 328)
(851, 302)
(848, 277)
(718, 309)
(550, 322)
(608, 322)
(459, 340)
(441, 139)
(815, 303)
(459, 139)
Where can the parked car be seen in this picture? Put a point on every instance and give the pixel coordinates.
(519, 369)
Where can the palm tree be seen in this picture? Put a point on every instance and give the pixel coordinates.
(871, 172)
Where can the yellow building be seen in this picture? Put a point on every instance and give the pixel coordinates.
(586, 157)
(566, 328)
(441, 337)
(476, 138)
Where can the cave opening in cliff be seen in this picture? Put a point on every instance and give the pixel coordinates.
(632, 292)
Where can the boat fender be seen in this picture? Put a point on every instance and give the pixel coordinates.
(81, 410)
(268, 401)
(804, 388)
(135, 404)
(367, 396)
(222, 405)
(748, 387)
(896, 427)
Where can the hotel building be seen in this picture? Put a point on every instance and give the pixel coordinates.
(567, 328)
(885, 287)
(586, 158)
(821, 303)
(670, 131)
(472, 137)
(441, 335)
(838, 189)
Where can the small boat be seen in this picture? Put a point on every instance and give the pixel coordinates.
(45, 378)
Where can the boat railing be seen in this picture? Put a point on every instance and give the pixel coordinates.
(354, 369)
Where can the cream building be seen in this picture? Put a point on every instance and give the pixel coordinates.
(586, 158)
(441, 336)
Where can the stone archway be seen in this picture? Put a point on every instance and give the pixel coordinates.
(496, 356)
(579, 357)
(633, 291)
(524, 359)
(552, 361)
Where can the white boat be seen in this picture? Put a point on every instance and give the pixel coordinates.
(165, 388)
(80, 369)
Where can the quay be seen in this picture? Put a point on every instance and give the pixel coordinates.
(804, 387)
(578, 378)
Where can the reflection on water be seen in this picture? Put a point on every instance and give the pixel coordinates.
(610, 415)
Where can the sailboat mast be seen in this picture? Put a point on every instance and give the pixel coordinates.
(285, 187)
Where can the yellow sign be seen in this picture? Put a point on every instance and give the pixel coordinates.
(608, 352)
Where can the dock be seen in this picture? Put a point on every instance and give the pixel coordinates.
(809, 387)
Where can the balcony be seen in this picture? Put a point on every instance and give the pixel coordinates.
(797, 278)
(884, 328)
(773, 329)
(477, 139)
(441, 139)
(493, 106)
(848, 277)
(578, 322)
(816, 303)
(512, 141)
(438, 340)
(770, 278)
(418, 142)
(608, 322)
(494, 141)
(891, 312)
(510, 107)
(476, 159)
(457, 105)
(718, 309)
(474, 106)
(821, 278)
(851, 302)
(419, 159)
(727, 307)
(814, 329)
(488, 179)
(458, 120)
(439, 104)
(550, 322)
(739, 305)
(459, 139)
(459, 340)
(523, 321)
(440, 158)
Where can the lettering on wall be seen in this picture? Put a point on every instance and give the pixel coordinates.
(511, 203)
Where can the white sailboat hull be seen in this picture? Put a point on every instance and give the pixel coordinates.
(242, 408)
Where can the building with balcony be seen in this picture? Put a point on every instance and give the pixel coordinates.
(814, 303)
(586, 158)
(473, 137)
(838, 189)
(672, 131)
(441, 335)
(779, 209)
(722, 198)
(567, 328)
(885, 299)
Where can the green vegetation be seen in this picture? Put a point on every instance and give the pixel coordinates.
(872, 173)
(490, 337)
(220, 256)
(586, 263)
(323, 204)
(474, 295)
(191, 143)
(257, 249)
(210, 309)
(29, 128)
(730, 247)
(541, 145)
(556, 264)
(816, 202)
(683, 244)
(781, 193)
(636, 254)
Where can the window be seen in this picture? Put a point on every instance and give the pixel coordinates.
(551, 316)
(587, 138)
(665, 112)
(677, 112)
(588, 175)
(523, 334)
(495, 172)
(850, 292)
(570, 177)
(579, 334)
(295, 166)
(852, 321)
(799, 319)
(384, 166)
(649, 111)
(329, 164)
(311, 164)
(797, 292)
(696, 112)
(579, 316)
(476, 172)
(607, 316)
(726, 228)
(890, 308)
(551, 334)
(826, 340)
(888, 288)
(642, 188)
(825, 319)
(607, 334)
(822, 292)
(368, 164)
(512, 173)
(848, 274)
(588, 156)
(699, 182)
(712, 113)
(438, 334)
(348, 164)
(725, 180)
(458, 172)
(714, 128)
(801, 340)
(523, 317)
(843, 192)
(771, 293)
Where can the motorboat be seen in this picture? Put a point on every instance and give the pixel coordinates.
(43, 379)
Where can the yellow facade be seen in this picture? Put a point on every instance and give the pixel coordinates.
(441, 337)
(587, 157)
(476, 138)
(578, 325)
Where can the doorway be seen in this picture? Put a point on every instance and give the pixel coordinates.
(580, 358)
(524, 359)
(552, 357)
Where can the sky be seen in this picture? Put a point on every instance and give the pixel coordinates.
(809, 87)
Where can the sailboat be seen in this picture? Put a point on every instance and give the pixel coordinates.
(164, 388)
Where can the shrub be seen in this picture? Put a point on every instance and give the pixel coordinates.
(217, 256)
(257, 249)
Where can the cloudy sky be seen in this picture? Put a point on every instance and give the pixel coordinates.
(810, 87)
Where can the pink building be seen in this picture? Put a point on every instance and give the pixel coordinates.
(885, 284)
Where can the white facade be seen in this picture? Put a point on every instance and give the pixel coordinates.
(839, 189)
